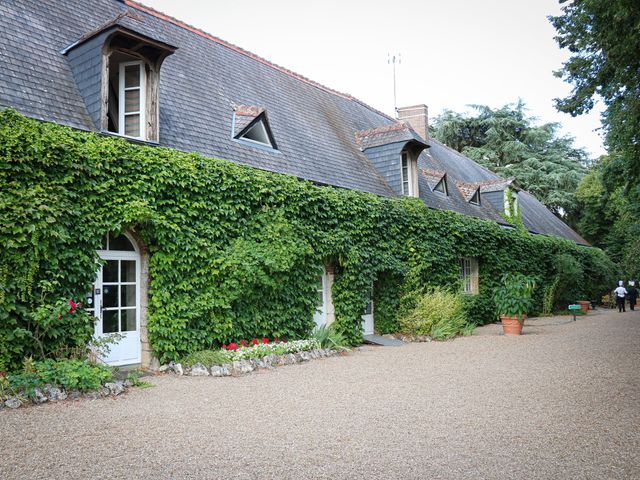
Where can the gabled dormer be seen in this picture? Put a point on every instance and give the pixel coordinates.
(250, 124)
(470, 192)
(117, 70)
(502, 194)
(393, 150)
(437, 181)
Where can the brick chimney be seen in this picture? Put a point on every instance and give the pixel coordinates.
(418, 117)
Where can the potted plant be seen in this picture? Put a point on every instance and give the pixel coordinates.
(513, 299)
(584, 305)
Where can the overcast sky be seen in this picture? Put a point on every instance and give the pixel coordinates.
(453, 52)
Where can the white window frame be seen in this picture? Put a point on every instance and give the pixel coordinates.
(121, 100)
(409, 185)
(443, 182)
(469, 275)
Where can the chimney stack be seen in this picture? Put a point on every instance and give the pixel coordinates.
(418, 117)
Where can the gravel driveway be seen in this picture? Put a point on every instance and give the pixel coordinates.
(562, 401)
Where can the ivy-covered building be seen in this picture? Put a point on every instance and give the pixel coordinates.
(125, 71)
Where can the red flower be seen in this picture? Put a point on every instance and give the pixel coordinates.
(243, 343)
(73, 306)
(224, 347)
(232, 346)
(254, 341)
(265, 340)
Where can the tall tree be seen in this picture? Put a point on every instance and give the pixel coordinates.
(604, 40)
(507, 142)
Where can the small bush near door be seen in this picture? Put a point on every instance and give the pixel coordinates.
(68, 374)
(437, 313)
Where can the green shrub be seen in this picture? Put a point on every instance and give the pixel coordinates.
(68, 374)
(436, 312)
(328, 337)
(207, 357)
(571, 284)
(479, 309)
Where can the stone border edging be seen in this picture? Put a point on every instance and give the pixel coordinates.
(55, 393)
(243, 367)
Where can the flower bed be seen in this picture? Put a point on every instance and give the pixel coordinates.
(248, 357)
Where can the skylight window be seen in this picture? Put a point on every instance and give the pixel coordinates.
(256, 131)
(441, 187)
(475, 200)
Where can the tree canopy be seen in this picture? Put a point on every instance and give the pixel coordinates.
(604, 41)
(506, 141)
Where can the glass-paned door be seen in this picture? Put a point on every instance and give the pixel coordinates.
(116, 304)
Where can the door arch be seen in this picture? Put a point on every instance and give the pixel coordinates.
(116, 299)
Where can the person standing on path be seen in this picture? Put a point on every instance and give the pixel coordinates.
(621, 293)
(632, 294)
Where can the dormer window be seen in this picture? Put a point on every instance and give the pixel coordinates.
(475, 199)
(117, 71)
(409, 177)
(441, 187)
(250, 124)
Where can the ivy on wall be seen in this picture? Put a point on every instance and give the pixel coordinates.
(235, 252)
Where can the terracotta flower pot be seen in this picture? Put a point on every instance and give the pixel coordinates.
(584, 305)
(511, 325)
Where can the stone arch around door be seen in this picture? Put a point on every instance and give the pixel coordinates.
(122, 255)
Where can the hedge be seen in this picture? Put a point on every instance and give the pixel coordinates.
(235, 252)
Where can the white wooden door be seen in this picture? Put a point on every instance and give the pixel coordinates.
(116, 302)
(367, 318)
(320, 315)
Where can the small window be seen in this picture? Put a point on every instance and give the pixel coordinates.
(131, 98)
(127, 96)
(441, 187)
(408, 176)
(258, 131)
(469, 275)
(475, 200)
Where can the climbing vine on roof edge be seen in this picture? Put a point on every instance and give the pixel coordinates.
(235, 252)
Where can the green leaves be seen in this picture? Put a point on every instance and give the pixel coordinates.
(234, 252)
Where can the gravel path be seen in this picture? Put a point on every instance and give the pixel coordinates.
(562, 401)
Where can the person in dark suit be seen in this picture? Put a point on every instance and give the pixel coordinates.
(632, 295)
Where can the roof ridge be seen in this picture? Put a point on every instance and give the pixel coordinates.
(163, 16)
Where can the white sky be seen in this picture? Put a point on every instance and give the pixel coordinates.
(453, 52)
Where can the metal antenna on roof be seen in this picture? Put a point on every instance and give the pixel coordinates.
(393, 60)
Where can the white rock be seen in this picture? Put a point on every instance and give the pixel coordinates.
(40, 397)
(220, 371)
(177, 368)
(13, 402)
(199, 370)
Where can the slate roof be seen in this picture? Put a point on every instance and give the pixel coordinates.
(207, 82)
